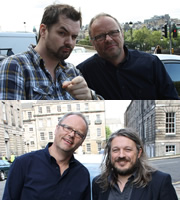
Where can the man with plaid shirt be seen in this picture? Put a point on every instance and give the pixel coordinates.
(41, 73)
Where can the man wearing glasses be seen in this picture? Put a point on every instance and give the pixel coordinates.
(53, 172)
(118, 73)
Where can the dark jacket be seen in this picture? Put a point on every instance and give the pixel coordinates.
(140, 76)
(160, 188)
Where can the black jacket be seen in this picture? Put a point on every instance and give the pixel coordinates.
(160, 188)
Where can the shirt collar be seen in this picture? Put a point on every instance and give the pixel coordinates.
(50, 158)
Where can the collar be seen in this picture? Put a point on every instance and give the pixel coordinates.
(39, 60)
(52, 159)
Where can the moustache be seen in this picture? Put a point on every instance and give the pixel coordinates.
(122, 159)
(67, 47)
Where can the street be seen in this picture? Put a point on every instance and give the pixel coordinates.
(2, 184)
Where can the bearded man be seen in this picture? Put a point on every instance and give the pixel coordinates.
(126, 174)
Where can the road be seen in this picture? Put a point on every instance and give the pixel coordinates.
(170, 166)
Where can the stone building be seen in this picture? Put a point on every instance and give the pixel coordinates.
(158, 123)
(11, 128)
(40, 119)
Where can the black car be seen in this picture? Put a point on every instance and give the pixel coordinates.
(4, 169)
(172, 65)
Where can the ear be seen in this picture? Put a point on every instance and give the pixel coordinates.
(140, 152)
(43, 30)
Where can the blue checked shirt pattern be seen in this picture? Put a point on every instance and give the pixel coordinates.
(24, 77)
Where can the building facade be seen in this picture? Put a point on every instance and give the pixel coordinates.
(40, 119)
(158, 123)
(11, 129)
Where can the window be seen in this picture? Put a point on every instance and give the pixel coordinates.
(170, 123)
(50, 135)
(48, 109)
(98, 132)
(4, 112)
(88, 133)
(32, 143)
(69, 107)
(59, 108)
(40, 123)
(78, 107)
(87, 119)
(99, 146)
(30, 129)
(49, 122)
(98, 119)
(86, 106)
(40, 109)
(170, 149)
(29, 115)
(88, 147)
(12, 116)
(42, 136)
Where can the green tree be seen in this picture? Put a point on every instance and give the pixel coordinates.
(108, 132)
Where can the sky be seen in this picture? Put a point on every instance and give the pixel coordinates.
(13, 13)
(116, 108)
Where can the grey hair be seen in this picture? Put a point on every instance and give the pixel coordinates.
(77, 114)
(102, 15)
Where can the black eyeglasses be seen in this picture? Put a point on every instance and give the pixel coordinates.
(102, 37)
(68, 129)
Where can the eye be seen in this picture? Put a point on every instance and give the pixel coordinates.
(74, 37)
(115, 150)
(62, 33)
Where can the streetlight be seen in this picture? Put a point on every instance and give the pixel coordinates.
(131, 25)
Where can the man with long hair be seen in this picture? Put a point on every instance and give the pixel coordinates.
(126, 173)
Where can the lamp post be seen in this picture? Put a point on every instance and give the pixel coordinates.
(131, 25)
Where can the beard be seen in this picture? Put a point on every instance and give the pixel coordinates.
(125, 172)
(59, 54)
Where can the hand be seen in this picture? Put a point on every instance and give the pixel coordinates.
(78, 88)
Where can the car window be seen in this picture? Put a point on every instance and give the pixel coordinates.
(173, 70)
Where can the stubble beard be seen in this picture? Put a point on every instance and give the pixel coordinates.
(59, 54)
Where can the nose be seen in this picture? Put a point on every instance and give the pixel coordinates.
(121, 153)
(69, 40)
(71, 134)
(108, 37)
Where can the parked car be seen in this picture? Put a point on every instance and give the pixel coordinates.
(172, 65)
(5, 52)
(78, 55)
(4, 169)
(93, 168)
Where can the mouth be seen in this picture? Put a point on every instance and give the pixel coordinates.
(66, 50)
(69, 142)
(110, 47)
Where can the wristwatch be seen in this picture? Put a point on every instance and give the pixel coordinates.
(96, 96)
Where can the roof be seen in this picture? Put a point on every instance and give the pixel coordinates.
(167, 56)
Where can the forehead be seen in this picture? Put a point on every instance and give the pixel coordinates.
(68, 24)
(121, 141)
(104, 24)
(76, 122)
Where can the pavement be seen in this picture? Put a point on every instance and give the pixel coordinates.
(177, 188)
